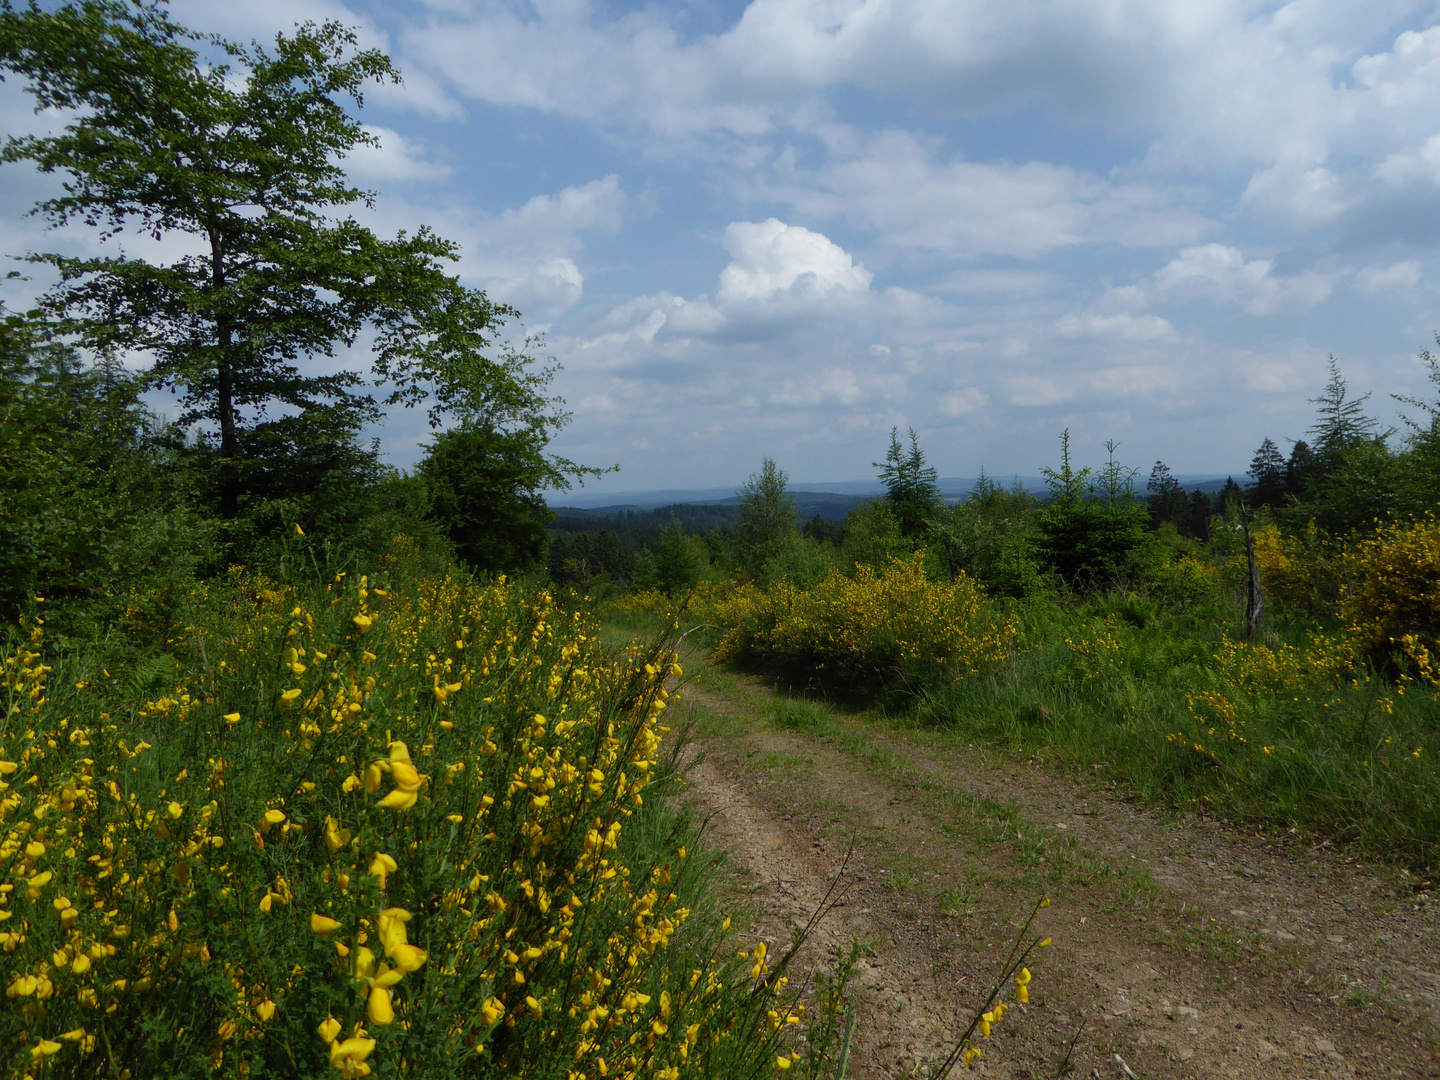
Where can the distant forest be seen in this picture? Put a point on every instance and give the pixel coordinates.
(619, 544)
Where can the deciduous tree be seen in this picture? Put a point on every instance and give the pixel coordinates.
(234, 154)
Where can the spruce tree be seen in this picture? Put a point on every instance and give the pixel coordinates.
(1267, 470)
(911, 485)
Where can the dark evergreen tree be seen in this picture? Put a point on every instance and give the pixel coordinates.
(1230, 495)
(1200, 511)
(824, 530)
(911, 485)
(1088, 531)
(1300, 469)
(1267, 470)
(677, 564)
(1167, 499)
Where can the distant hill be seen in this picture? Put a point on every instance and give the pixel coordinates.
(831, 500)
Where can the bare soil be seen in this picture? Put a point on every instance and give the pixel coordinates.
(1183, 947)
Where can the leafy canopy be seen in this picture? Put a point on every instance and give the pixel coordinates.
(234, 154)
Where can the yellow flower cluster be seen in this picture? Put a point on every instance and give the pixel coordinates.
(366, 829)
(1391, 598)
(1300, 573)
(892, 622)
(1098, 652)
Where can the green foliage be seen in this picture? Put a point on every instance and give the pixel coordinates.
(873, 537)
(1167, 501)
(1126, 687)
(679, 559)
(767, 518)
(487, 495)
(910, 485)
(299, 847)
(991, 537)
(801, 562)
(94, 515)
(1267, 470)
(1420, 470)
(1093, 528)
(242, 159)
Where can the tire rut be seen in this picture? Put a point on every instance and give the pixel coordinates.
(1217, 970)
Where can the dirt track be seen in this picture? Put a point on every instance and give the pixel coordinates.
(1182, 947)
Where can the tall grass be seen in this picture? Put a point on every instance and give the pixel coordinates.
(1298, 736)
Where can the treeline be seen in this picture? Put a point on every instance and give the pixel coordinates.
(1094, 530)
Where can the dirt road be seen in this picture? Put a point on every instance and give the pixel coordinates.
(1182, 947)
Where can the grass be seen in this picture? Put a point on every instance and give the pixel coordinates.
(1339, 764)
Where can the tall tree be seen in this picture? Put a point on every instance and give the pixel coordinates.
(1300, 468)
(678, 563)
(487, 490)
(235, 153)
(1341, 421)
(911, 485)
(1267, 470)
(1200, 509)
(1167, 499)
(767, 517)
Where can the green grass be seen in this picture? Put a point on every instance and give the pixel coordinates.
(1331, 772)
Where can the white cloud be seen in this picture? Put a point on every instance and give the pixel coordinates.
(1400, 277)
(963, 402)
(396, 158)
(779, 278)
(775, 262)
(526, 256)
(913, 196)
(1223, 273)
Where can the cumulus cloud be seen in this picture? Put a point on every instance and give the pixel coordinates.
(773, 262)
(1400, 277)
(779, 276)
(1223, 273)
(395, 158)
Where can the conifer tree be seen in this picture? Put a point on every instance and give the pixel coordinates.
(1267, 470)
(767, 517)
(911, 485)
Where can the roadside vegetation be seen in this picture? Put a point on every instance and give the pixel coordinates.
(1268, 655)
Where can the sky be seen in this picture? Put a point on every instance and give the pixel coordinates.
(784, 228)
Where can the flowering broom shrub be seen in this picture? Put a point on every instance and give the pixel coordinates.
(895, 623)
(1300, 573)
(367, 832)
(1391, 599)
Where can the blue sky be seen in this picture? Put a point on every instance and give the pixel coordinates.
(783, 228)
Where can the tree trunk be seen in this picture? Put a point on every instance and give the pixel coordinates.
(229, 444)
(1254, 599)
(225, 392)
